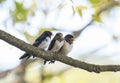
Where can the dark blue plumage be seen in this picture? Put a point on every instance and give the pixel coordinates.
(41, 42)
(42, 38)
(56, 43)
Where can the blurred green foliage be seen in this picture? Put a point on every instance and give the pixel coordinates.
(95, 3)
(97, 18)
(2, 1)
(100, 6)
(20, 13)
(79, 9)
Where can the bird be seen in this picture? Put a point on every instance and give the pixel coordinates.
(55, 45)
(68, 44)
(66, 47)
(41, 42)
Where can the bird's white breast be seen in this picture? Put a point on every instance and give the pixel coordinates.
(44, 44)
(57, 46)
(67, 48)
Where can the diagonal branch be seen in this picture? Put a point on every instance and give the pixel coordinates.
(77, 33)
(50, 56)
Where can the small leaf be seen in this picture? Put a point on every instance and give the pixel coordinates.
(79, 9)
(95, 2)
(97, 18)
(20, 13)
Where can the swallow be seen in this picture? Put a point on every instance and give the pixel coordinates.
(68, 44)
(66, 47)
(55, 45)
(41, 42)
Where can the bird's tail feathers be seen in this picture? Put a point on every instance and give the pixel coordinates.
(26, 55)
(45, 61)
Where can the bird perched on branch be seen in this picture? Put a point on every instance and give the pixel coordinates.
(68, 44)
(41, 42)
(56, 43)
(66, 47)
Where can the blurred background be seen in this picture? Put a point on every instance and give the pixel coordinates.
(94, 23)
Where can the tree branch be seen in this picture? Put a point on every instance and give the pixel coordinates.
(50, 56)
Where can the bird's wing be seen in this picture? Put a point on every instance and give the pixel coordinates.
(51, 44)
(39, 40)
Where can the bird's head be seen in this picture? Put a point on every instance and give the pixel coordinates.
(59, 36)
(69, 38)
(48, 33)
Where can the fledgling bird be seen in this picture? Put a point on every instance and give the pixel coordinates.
(68, 44)
(56, 43)
(41, 42)
(66, 47)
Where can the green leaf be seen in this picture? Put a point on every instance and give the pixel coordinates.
(79, 9)
(2, 1)
(95, 2)
(20, 13)
(99, 6)
(97, 18)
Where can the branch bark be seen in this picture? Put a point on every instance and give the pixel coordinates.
(50, 56)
